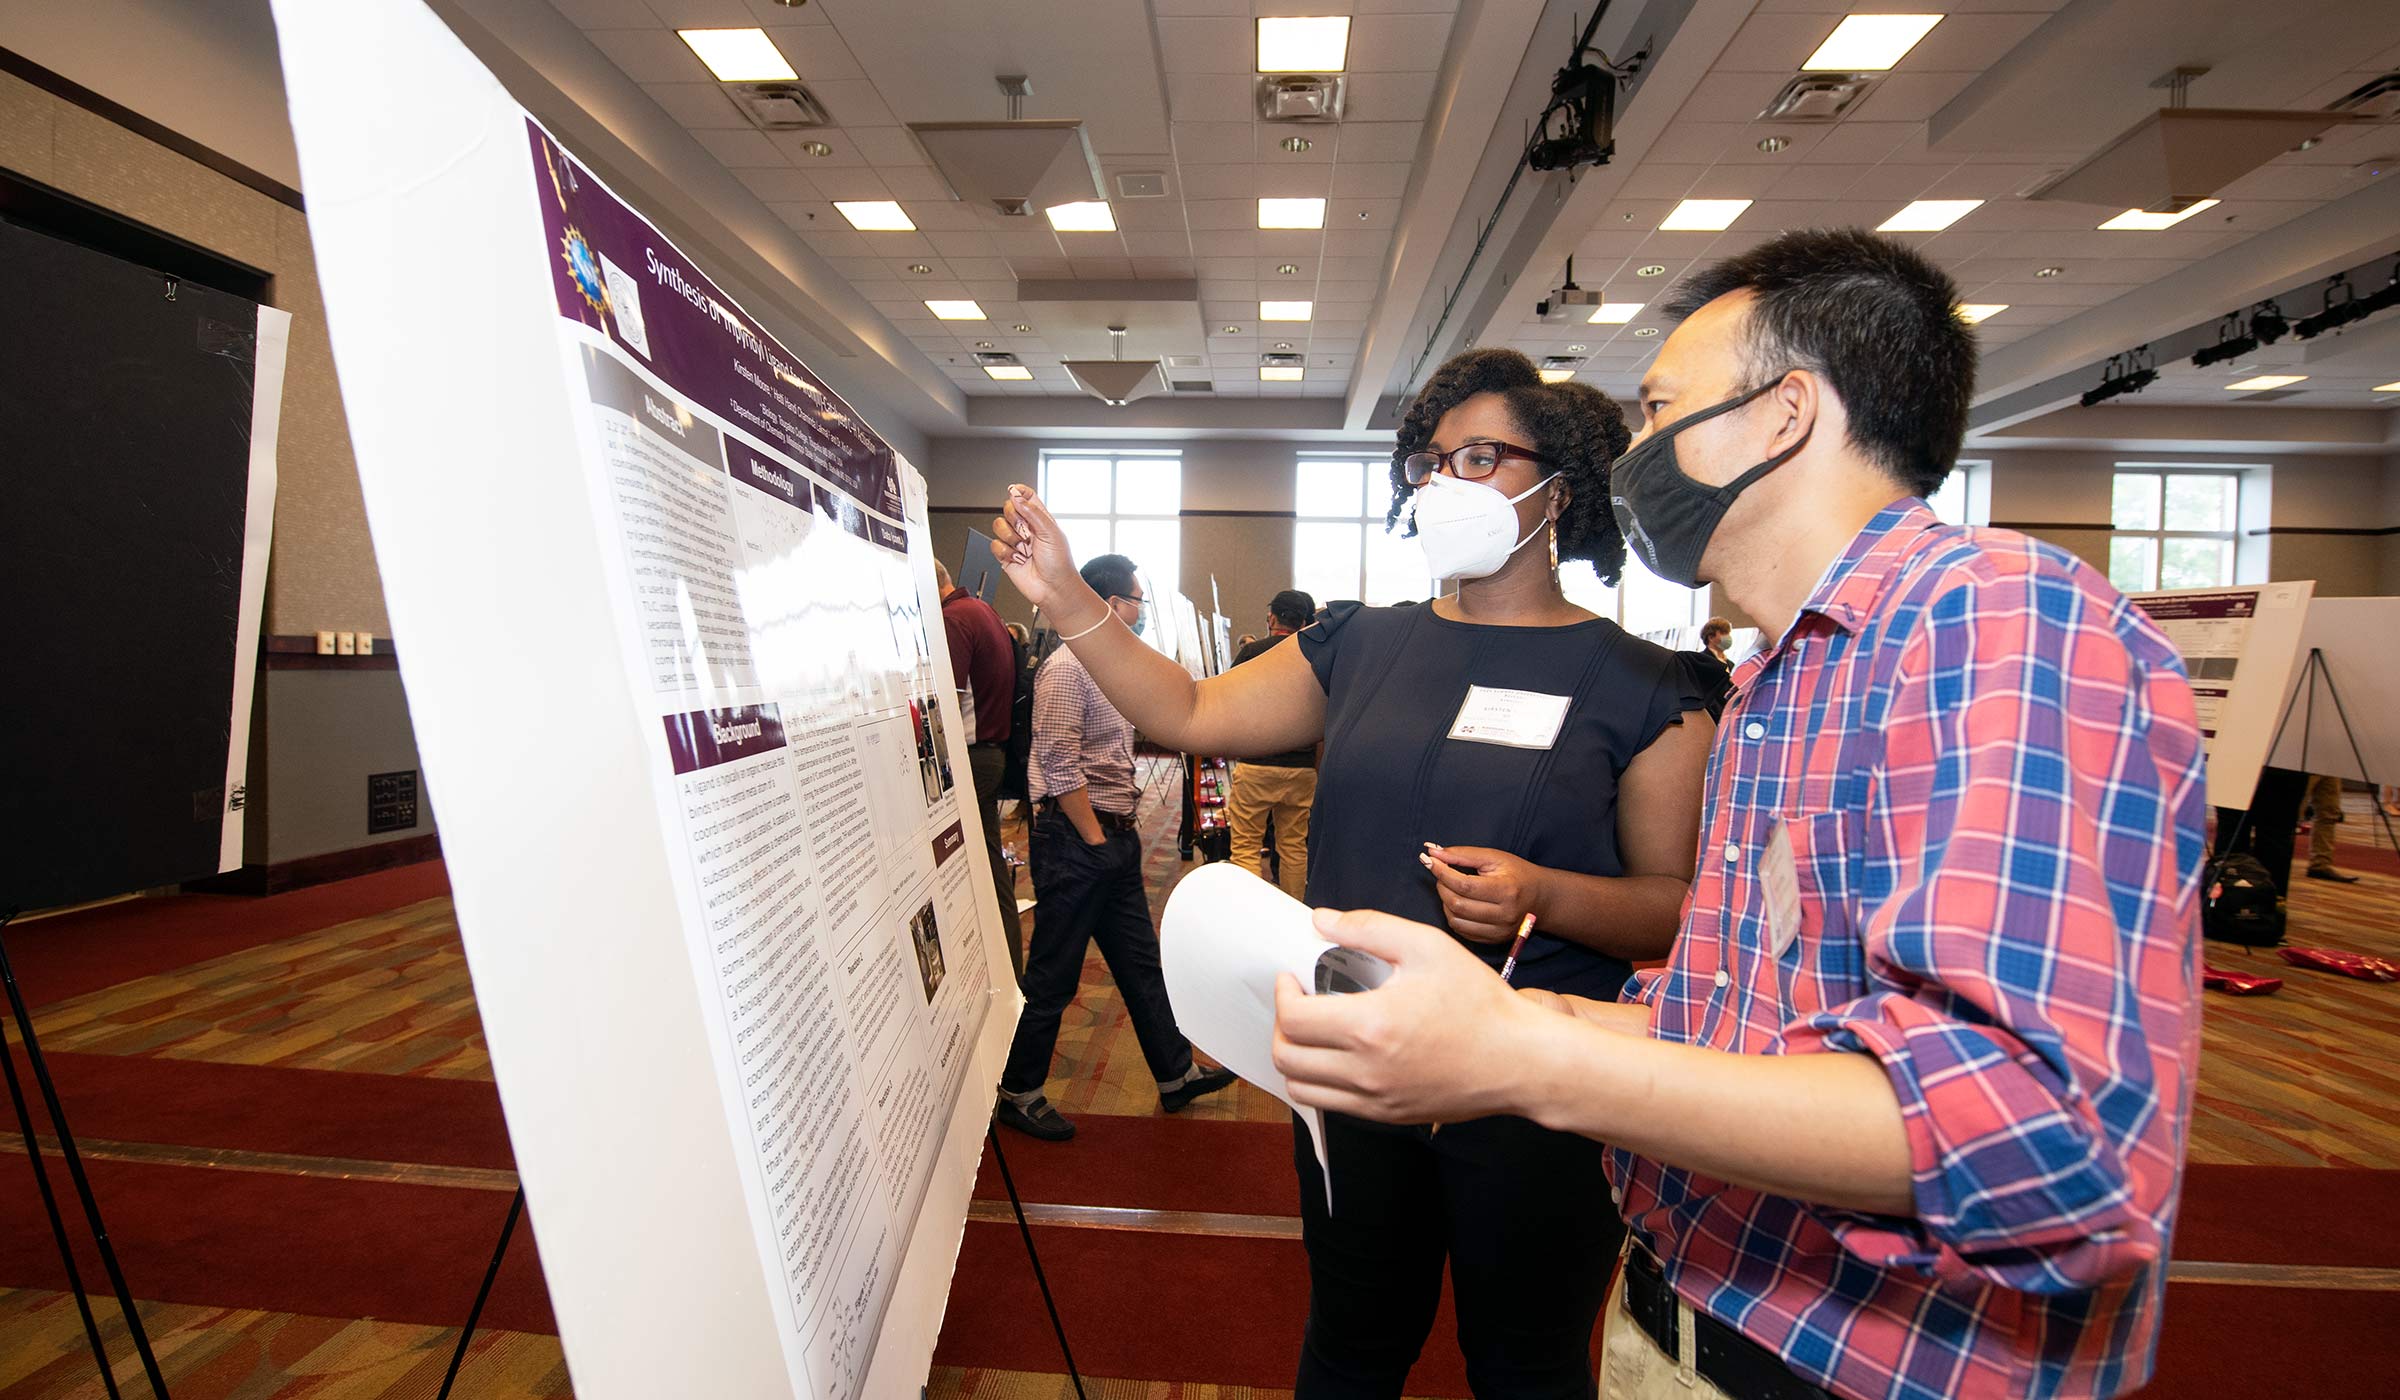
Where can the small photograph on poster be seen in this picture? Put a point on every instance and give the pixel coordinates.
(933, 751)
(928, 940)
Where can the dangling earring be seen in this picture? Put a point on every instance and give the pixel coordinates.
(1554, 549)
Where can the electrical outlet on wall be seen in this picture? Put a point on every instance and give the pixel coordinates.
(366, 644)
(325, 644)
(345, 643)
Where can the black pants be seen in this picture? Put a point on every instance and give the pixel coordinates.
(1521, 1213)
(1084, 893)
(986, 762)
(2267, 834)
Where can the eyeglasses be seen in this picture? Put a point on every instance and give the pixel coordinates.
(1473, 462)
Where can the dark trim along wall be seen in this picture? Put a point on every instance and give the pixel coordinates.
(67, 89)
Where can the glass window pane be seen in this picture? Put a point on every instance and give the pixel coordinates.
(2196, 564)
(2133, 563)
(1581, 583)
(1087, 536)
(1156, 548)
(1395, 568)
(1329, 488)
(1149, 485)
(1379, 490)
(1076, 486)
(1653, 604)
(1325, 559)
(2200, 503)
(2135, 503)
(1949, 501)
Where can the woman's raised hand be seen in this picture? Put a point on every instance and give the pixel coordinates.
(1032, 549)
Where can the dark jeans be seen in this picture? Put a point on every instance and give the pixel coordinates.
(2274, 811)
(1084, 893)
(1521, 1213)
(986, 762)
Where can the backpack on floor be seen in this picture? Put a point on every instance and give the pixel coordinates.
(2238, 903)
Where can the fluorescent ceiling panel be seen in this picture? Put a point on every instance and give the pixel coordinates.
(1929, 215)
(2264, 381)
(1303, 44)
(955, 310)
(2391, 388)
(1557, 376)
(1084, 216)
(1291, 213)
(876, 215)
(1615, 313)
(2143, 221)
(1008, 371)
(739, 55)
(1869, 43)
(1706, 215)
(1285, 310)
(1278, 374)
(1977, 312)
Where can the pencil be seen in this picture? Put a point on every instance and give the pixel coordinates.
(1507, 970)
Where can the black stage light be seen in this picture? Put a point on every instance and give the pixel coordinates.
(2383, 297)
(2267, 323)
(2129, 373)
(2336, 314)
(2229, 346)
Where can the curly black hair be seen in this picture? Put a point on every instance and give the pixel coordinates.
(1579, 428)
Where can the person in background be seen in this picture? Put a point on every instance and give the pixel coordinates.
(2324, 829)
(983, 660)
(1278, 786)
(1247, 639)
(2265, 828)
(1716, 635)
(1018, 634)
(1904, 1116)
(1087, 880)
(1497, 752)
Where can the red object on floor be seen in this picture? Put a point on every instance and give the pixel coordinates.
(71, 954)
(2359, 965)
(302, 1244)
(2240, 984)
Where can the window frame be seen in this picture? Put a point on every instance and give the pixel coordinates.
(1367, 521)
(2232, 474)
(1151, 574)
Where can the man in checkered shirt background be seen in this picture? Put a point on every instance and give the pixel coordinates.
(1904, 1115)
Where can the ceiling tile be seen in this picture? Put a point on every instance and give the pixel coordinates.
(1153, 214)
(606, 14)
(1864, 143)
(1028, 242)
(697, 106)
(818, 54)
(1208, 97)
(1667, 182)
(853, 182)
(1910, 97)
(1294, 182)
(886, 145)
(743, 150)
(794, 146)
(783, 184)
(1221, 181)
(703, 14)
(1221, 213)
(1102, 267)
(916, 182)
(1398, 43)
(1730, 97)
(650, 55)
(1388, 97)
(1775, 43)
(1380, 141)
(1159, 244)
(853, 103)
(1214, 143)
(942, 213)
(1205, 44)
(1162, 267)
(1377, 179)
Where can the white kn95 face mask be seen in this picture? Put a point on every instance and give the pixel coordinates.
(1467, 528)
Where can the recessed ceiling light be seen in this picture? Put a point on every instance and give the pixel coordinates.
(1008, 371)
(1291, 213)
(983, 345)
(1287, 269)
(1084, 216)
(1304, 44)
(876, 215)
(1557, 376)
(1976, 312)
(1645, 331)
(2048, 271)
(1233, 330)
(1869, 43)
(1709, 215)
(2391, 388)
(2143, 221)
(1615, 313)
(955, 310)
(1774, 145)
(1283, 345)
(1929, 215)
(2264, 381)
(1279, 374)
(1284, 310)
(1577, 349)
(920, 269)
(1021, 328)
(815, 148)
(1297, 144)
(739, 55)
(1651, 270)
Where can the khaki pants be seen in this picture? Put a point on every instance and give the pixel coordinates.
(1633, 1368)
(2325, 794)
(1260, 791)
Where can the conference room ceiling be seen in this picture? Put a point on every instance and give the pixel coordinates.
(2000, 96)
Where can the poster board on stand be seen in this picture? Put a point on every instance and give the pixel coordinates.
(2239, 646)
(725, 906)
(2353, 635)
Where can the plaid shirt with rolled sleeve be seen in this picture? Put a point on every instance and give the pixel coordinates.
(1984, 764)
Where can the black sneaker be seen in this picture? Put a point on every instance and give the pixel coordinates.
(1206, 1082)
(1040, 1121)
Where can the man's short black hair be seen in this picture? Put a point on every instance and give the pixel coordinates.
(1110, 575)
(1292, 608)
(1873, 316)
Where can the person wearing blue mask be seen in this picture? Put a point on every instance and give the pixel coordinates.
(1496, 752)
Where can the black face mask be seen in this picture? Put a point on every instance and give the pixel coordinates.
(1665, 515)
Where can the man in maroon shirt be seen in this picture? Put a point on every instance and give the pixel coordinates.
(985, 660)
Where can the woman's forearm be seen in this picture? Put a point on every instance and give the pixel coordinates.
(1147, 688)
(1626, 916)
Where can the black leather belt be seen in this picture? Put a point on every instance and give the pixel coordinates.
(1109, 821)
(1723, 1357)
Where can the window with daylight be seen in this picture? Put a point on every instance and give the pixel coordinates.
(2173, 529)
(1128, 503)
(1339, 546)
(1954, 501)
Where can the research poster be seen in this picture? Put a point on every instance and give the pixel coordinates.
(2237, 646)
(665, 608)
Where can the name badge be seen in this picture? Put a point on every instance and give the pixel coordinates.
(1519, 719)
(1779, 880)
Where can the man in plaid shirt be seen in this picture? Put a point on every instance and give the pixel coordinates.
(1904, 1116)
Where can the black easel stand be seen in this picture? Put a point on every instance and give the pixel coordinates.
(2310, 671)
(1031, 1253)
(83, 1187)
(508, 1227)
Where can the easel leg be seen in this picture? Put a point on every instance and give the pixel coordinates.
(58, 1226)
(75, 1173)
(508, 1227)
(2316, 661)
(993, 1136)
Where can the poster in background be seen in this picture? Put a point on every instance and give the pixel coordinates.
(2363, 668)
(725, 908)
(2238, 647)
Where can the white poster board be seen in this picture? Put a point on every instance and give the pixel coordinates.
(2238, 646)
(2354, 636)
(663, 603)
(1188, 646)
